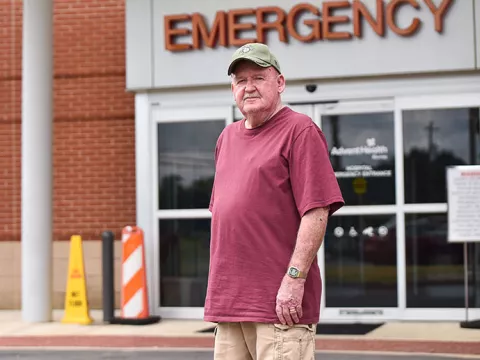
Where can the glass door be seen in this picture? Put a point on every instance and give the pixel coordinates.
(359, 256)
(360, 248)
(437, 131)
(385, 254)
(183, 155)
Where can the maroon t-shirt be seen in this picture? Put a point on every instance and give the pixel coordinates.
(266, 179)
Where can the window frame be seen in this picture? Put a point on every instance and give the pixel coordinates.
(445, 92)
(430, 102)
(176, 115)
(425, 102)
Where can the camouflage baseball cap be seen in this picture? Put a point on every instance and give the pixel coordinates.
(256, 52)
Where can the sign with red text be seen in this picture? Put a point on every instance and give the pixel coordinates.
(185, 43)
(228, 27)
(463, 197)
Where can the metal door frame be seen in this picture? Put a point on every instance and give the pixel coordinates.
(433, 102)
(397, 105)
(176, 115)
(330, 314)
(316, 111)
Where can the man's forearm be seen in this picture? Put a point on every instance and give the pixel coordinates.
(309, 238)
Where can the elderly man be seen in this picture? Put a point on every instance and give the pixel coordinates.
(273, 192)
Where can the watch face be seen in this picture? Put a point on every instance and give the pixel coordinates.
(293, 272)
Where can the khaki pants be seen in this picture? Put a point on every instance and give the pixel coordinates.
(255, 341)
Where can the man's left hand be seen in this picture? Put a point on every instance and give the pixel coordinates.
(289, 300)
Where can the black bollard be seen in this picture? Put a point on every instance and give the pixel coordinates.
(108, 239)
(108, 276)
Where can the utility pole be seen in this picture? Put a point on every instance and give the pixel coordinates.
(431, 145)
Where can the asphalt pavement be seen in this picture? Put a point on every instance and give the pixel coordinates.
(179, 354)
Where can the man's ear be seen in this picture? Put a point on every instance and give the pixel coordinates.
(281, 83)
(232, 77)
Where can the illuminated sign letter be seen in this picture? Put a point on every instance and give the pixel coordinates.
(329, 19)
(313, 24)
(218, 32)
(439, 13)
(171, 32)
(360, 10)
(391, 9)
(234, 27)
(262, 25)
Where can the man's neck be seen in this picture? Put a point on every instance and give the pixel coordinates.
(258, 119)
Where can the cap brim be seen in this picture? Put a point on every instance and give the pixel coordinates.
(253, 59)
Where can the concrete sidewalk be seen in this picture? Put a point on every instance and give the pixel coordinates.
(414, 337)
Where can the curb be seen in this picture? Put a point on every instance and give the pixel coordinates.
(400, 346)
(152, 342)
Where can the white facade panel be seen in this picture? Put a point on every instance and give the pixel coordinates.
(138, 25)
(425, 50)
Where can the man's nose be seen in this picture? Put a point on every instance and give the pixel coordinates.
(250, 87)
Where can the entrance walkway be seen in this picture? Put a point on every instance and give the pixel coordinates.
(411, 337)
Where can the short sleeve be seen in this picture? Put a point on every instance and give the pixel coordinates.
(311, 174)
(210, 206)
(217, 150)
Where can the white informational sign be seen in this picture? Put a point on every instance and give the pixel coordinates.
(463, 197)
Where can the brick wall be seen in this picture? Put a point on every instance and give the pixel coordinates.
(94, 158)
(10, 90)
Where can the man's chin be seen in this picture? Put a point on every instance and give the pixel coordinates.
(250, 109)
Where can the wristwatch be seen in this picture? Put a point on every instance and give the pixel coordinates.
(294, 273)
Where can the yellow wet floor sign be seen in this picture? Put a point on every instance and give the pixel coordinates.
(76, 304)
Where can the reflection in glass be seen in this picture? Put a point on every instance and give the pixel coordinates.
(186, 163)
(435, 268)
(362, 152)
(184, 262)
(434, 139)
(360, 261)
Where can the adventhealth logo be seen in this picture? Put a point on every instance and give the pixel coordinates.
(379, 152)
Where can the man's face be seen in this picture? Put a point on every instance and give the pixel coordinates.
(256, 89)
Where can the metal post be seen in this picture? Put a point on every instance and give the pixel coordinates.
(108, 276)
(37, 161)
